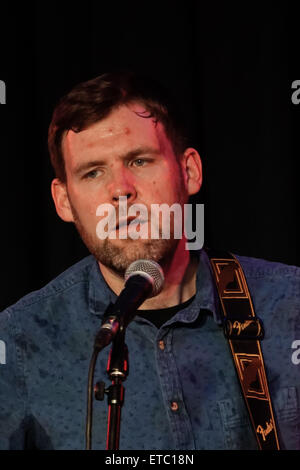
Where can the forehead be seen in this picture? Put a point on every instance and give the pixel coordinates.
(126, 127)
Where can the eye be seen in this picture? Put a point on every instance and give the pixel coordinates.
(140, 162)
(92, 174)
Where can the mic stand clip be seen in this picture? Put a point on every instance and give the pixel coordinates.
(117, 371)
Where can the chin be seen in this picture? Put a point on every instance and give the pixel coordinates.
(119, 254)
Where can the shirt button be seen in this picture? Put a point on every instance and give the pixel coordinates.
(174, 406)
(161, 345)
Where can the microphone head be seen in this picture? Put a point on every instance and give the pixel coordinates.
(151, 270)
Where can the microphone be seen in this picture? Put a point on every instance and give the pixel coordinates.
(143, 279)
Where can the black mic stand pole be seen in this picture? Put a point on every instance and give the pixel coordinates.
(117, 370)
(117, 366)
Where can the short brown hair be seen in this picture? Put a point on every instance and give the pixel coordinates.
(91, 101)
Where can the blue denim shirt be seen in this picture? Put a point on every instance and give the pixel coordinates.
(46, 344)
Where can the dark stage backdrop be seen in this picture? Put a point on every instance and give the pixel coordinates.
(231, 68)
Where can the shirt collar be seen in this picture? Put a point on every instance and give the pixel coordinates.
(207, 295)
(100, 295)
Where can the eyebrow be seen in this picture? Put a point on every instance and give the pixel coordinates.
(127, 156)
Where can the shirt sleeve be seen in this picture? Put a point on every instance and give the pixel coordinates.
(12, 385)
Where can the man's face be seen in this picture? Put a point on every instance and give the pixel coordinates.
(126, 154)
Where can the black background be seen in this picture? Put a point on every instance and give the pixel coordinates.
(231, 67)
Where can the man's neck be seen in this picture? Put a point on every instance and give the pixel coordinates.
(180, 280)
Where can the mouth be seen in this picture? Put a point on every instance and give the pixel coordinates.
(126, 222)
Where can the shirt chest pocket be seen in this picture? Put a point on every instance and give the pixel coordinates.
(286, 403)
(237, 431)
(287, 412)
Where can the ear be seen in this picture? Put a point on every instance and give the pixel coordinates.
(61, 200)
(192, 170)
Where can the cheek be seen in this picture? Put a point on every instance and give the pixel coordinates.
(155, 190)
(85, 203)
(167, 188)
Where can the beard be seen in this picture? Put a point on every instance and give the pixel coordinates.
(117, 255)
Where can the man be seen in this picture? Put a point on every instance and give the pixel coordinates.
(112, 139)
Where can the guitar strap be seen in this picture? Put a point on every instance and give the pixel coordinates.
(244, 330)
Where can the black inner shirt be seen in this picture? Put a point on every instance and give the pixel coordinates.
(160, 316)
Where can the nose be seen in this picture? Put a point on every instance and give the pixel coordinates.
(122, 184)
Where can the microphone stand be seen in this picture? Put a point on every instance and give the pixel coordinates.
(117, 370)
(138, 286)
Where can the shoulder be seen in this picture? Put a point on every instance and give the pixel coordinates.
(73, 276)
(274, 288)
(271, 279)
(256, 268)
(49, 316)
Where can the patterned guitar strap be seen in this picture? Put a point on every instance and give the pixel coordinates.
(244, 331)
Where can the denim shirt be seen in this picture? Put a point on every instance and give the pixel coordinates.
(182, 390)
